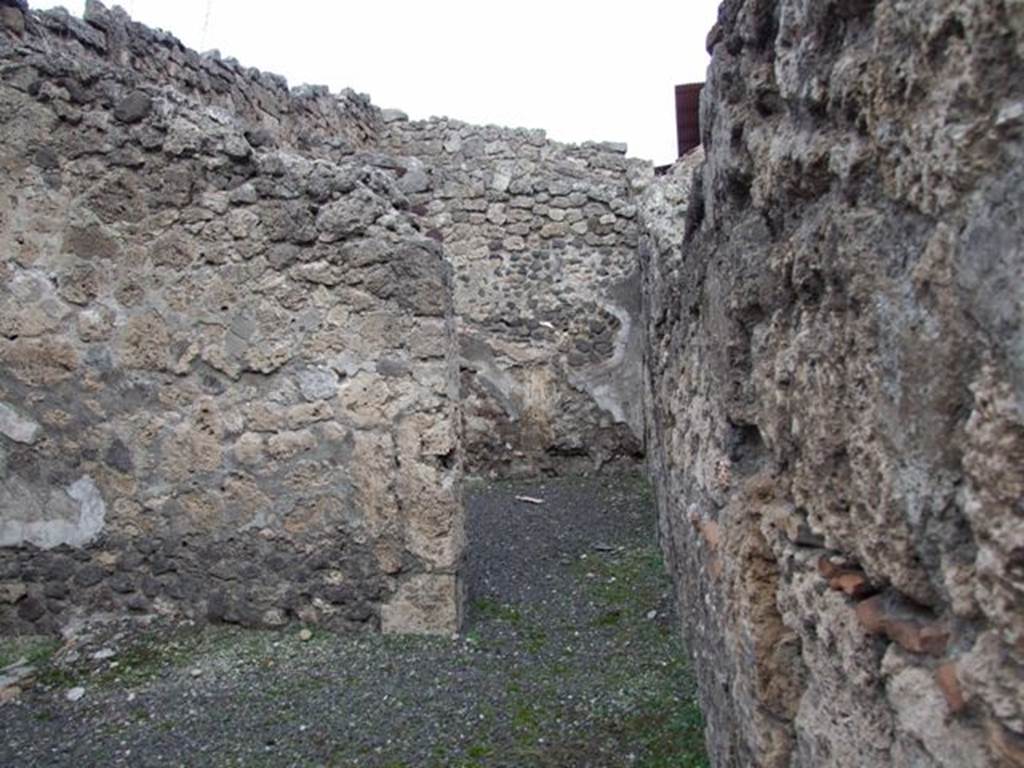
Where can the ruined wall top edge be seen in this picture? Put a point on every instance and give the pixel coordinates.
(399, 122)
(305, 116)
(108, 43)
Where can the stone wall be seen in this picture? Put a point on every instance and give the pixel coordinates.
(542, 237)
(239, 324)
(308, 118)
(836, 384)
(228, 376)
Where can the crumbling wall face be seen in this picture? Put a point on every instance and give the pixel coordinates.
(542, 239)
(308, 118)
(836, 381)
(228, 380)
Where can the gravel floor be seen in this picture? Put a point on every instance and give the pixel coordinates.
(569, 658)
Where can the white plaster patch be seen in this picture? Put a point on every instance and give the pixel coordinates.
(612, 382)
(18, 428)
(92, 510)
(74, 516)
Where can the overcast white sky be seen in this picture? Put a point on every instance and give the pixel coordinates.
(578, 68)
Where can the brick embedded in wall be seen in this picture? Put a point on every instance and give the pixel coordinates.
(833, 401)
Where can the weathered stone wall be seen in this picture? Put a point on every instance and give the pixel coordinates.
(836, 385)
(308, 118)
(542, 238)
(541, 235)
(228, 376)
(231, 352)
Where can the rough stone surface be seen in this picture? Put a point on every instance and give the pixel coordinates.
(16, 427)
(835, 369)
(542, 238)
(542, 235)
(196, 298)
(237, 321)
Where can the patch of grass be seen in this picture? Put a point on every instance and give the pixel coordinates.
(479, 750)
(440, 754)
(490, 608)
(627, 583)
(151, 655)
(524, 718)
(58, 677)
(530, 634)
(34, 649)
(609, 618)
(655, 714)
(148, 657)
(639, 486)
(664, 732)
(654, 722)
(663, 725)
(475, 757)
(534, 639)
(647, 709)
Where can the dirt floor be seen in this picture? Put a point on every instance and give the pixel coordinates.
(569, 657)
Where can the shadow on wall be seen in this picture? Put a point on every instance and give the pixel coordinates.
(542, 237)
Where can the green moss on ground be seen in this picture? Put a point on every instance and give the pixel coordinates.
(32, 649)
(591, 673)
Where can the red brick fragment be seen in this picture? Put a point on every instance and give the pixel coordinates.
(853, 583)
(712, 533)
(881, 616)
(871, 614)
(827, 568)
(918, 638)
(715, 566)
(949, 684)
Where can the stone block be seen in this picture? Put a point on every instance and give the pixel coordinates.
(12, 19)
(424, 604)
(134, 107)
(18, 427)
